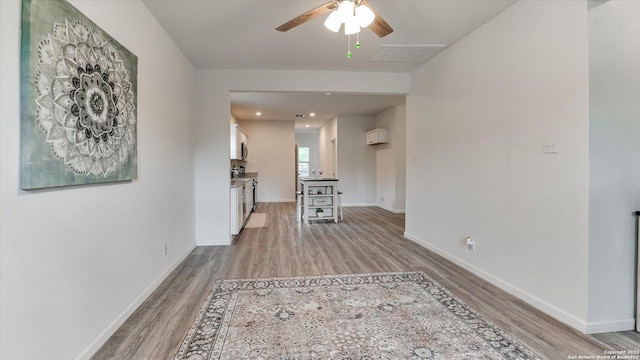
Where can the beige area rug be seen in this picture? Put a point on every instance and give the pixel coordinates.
(371, 316)
(257, 220)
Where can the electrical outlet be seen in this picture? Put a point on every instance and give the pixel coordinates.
(166, 248)
(471, 244)
(550, 146)
(382, 199)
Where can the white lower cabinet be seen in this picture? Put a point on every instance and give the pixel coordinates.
(241, 204)
(247, 202)
(237, 216)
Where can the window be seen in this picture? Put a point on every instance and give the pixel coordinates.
(303, 161)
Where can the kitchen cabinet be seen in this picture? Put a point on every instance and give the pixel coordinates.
(237, 214)
(241, 203)
(320, 199)
(377, 136)
(238, 143)
(247, 202)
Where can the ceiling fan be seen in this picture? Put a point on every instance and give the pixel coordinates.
(355, 14)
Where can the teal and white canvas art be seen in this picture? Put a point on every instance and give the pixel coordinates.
(78, 100)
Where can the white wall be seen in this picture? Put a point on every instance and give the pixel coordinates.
(476, 121)
(310, 140)
(212, 127)
(385, 178)
(391, 160)
(76, 261)
(357, 161)
(272, 155)
(328, 148)
(614, 162)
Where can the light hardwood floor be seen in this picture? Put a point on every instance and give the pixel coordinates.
(369, 240)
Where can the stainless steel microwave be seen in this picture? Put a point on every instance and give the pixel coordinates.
(245, 151)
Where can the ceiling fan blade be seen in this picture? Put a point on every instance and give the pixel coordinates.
(378, 26)
(311, 14)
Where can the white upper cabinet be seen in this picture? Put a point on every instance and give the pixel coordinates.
(238, 143)
(377, 136)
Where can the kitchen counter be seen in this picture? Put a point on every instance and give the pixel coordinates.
(239, 182)
(317, 179)
(242, 179)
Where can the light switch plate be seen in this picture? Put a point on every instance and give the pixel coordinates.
(550, 146)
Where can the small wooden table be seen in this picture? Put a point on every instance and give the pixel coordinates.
(320, 199)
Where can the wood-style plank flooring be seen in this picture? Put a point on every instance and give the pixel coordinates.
(369, 240)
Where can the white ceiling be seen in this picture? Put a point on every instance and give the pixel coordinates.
(240, 34)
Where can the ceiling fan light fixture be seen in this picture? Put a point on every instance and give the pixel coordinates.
(333, 22)
(345, 9)
(351, 26)
(342, 11)
(364, 16)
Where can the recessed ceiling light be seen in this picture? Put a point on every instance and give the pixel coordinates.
(328, 93)
(312, 114)
(306, 125)
(258, 113)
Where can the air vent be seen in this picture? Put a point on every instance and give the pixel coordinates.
(299, 115)
(407, 53)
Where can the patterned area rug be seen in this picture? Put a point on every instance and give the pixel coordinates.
(372, 316)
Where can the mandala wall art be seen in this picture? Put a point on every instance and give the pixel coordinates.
(78, 100)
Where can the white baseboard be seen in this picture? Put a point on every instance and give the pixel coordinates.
(276, 200)
(213, 242)
(106, 334)
(541, 305)
(611, 326)
(395, 211)
(358, 204)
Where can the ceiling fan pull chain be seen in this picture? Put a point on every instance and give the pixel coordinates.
(357, 40)
(349, 46)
